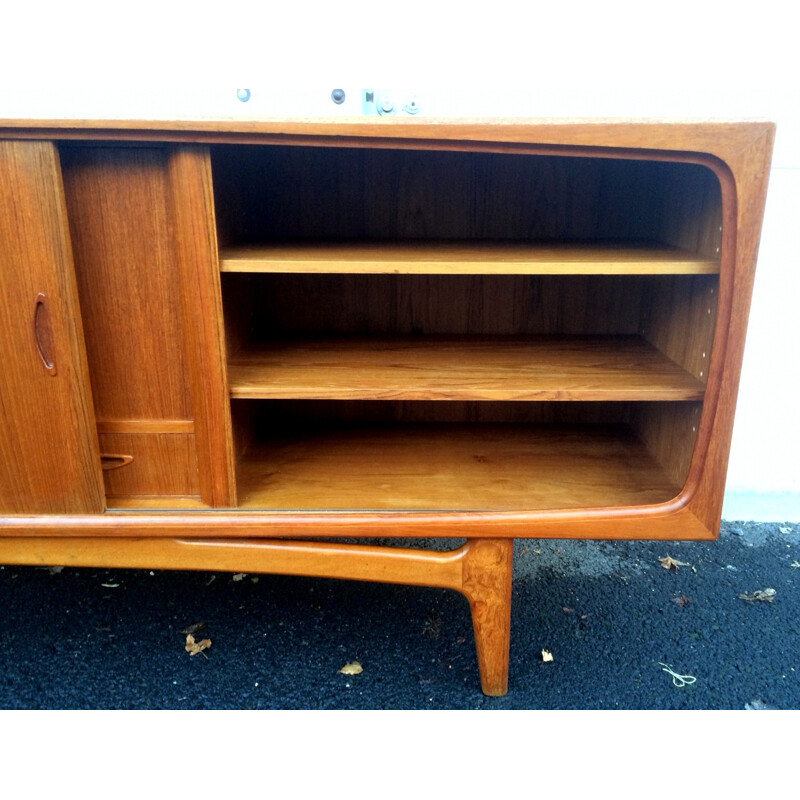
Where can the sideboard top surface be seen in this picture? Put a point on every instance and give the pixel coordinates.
(722, 138)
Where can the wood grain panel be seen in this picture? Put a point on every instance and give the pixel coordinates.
(459, 368)
(118, 202)
(679, 319)
(262, 308)
(451, 467)
(460, 258)
(254, 419)
(279, 194)
(200, 293)
(669, 432)
(691, 213)
(49, 461)
(163, 464)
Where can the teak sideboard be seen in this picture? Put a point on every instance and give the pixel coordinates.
(229, 344)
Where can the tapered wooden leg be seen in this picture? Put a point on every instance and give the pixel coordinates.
(486, 582)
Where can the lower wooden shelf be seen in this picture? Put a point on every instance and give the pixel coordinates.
(451, 466)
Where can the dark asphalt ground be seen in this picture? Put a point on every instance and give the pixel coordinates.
(608, 612)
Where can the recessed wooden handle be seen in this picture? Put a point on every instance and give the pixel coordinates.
(43, 332)
(114, 461)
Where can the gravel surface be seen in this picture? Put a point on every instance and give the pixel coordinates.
(611, 615)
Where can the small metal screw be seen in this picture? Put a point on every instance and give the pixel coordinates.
(412, 106)
(243, 94)
(337, 95)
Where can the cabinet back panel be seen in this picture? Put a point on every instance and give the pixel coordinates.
(259, 418)
(278, 193)
(118, 205)
(273, 305)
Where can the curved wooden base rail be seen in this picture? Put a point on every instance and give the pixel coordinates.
(481, 570)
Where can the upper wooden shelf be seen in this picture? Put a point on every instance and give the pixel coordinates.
(461, 368)
(468, 258)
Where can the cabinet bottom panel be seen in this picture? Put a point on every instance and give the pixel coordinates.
(451, 466)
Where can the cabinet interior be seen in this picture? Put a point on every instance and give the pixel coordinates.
(428, 330)
(399, 322)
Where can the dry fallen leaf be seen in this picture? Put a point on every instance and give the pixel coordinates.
(668, 562)
(193, 647)
(764, 595)
(239, 576)
(353, 668)
(683, 600)
(547, 655)
(567, 610)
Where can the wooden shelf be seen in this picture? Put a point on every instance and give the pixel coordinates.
(454, 467)
(468, 258)
(462, 368)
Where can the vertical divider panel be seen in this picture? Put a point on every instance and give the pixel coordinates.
(192, 199)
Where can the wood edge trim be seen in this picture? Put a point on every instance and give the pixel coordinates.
(703, 484)
(343, 131)
(145, 426)
(719, 346)
(664, 521)
(196, 252)
(533, 137)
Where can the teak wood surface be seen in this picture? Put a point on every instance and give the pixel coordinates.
(48, 440)
(129, 341)
(448, 258)
(506, 467)
(738, 155)
(458, 368)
